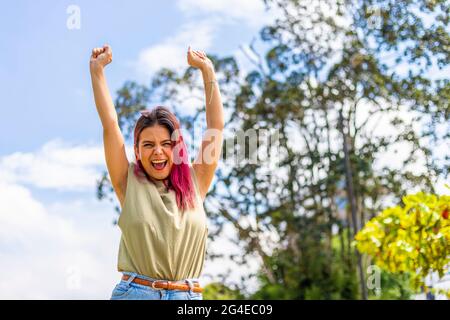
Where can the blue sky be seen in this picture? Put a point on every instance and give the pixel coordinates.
(45, 75)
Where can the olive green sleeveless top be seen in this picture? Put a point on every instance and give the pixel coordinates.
(159, 240)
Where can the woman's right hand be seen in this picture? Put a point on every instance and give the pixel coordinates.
(100, 57)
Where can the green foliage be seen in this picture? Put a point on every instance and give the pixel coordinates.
(314, 276)
(219, 291)
(393, 287)
(414, 238)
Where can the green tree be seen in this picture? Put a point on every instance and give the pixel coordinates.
(332, 68)
(343, 70)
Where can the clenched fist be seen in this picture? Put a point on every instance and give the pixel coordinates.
(198, 59)
(100, 57)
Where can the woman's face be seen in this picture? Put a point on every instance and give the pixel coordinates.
(155, 151)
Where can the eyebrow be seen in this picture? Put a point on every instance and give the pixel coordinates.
(153, 141)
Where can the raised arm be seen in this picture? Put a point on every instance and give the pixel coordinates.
(113, 141)
(209, 154)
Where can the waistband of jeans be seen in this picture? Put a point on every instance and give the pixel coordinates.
(136, 275)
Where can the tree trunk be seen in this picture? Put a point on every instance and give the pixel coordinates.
(353, 203)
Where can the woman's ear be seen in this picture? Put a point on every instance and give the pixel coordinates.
(136, 152)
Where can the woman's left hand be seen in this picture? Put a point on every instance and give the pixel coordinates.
(198, 59)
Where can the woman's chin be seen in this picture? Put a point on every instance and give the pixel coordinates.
(159, 175)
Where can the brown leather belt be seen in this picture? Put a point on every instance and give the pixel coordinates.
(164, 284)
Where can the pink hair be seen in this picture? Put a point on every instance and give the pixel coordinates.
(180, 176)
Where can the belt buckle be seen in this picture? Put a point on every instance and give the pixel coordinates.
(153, 284)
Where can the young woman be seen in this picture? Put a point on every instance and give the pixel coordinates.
(163, 223)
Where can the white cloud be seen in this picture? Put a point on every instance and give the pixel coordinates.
(205, 20)
(54, 166)
(171, 53)
(62, 251)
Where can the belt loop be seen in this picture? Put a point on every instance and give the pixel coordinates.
(131, 277)
(191, 286)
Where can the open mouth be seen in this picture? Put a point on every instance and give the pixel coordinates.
(159, 164)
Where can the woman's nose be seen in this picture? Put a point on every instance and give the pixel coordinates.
(158, 149)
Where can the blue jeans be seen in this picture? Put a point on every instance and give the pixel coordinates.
(128, 290)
